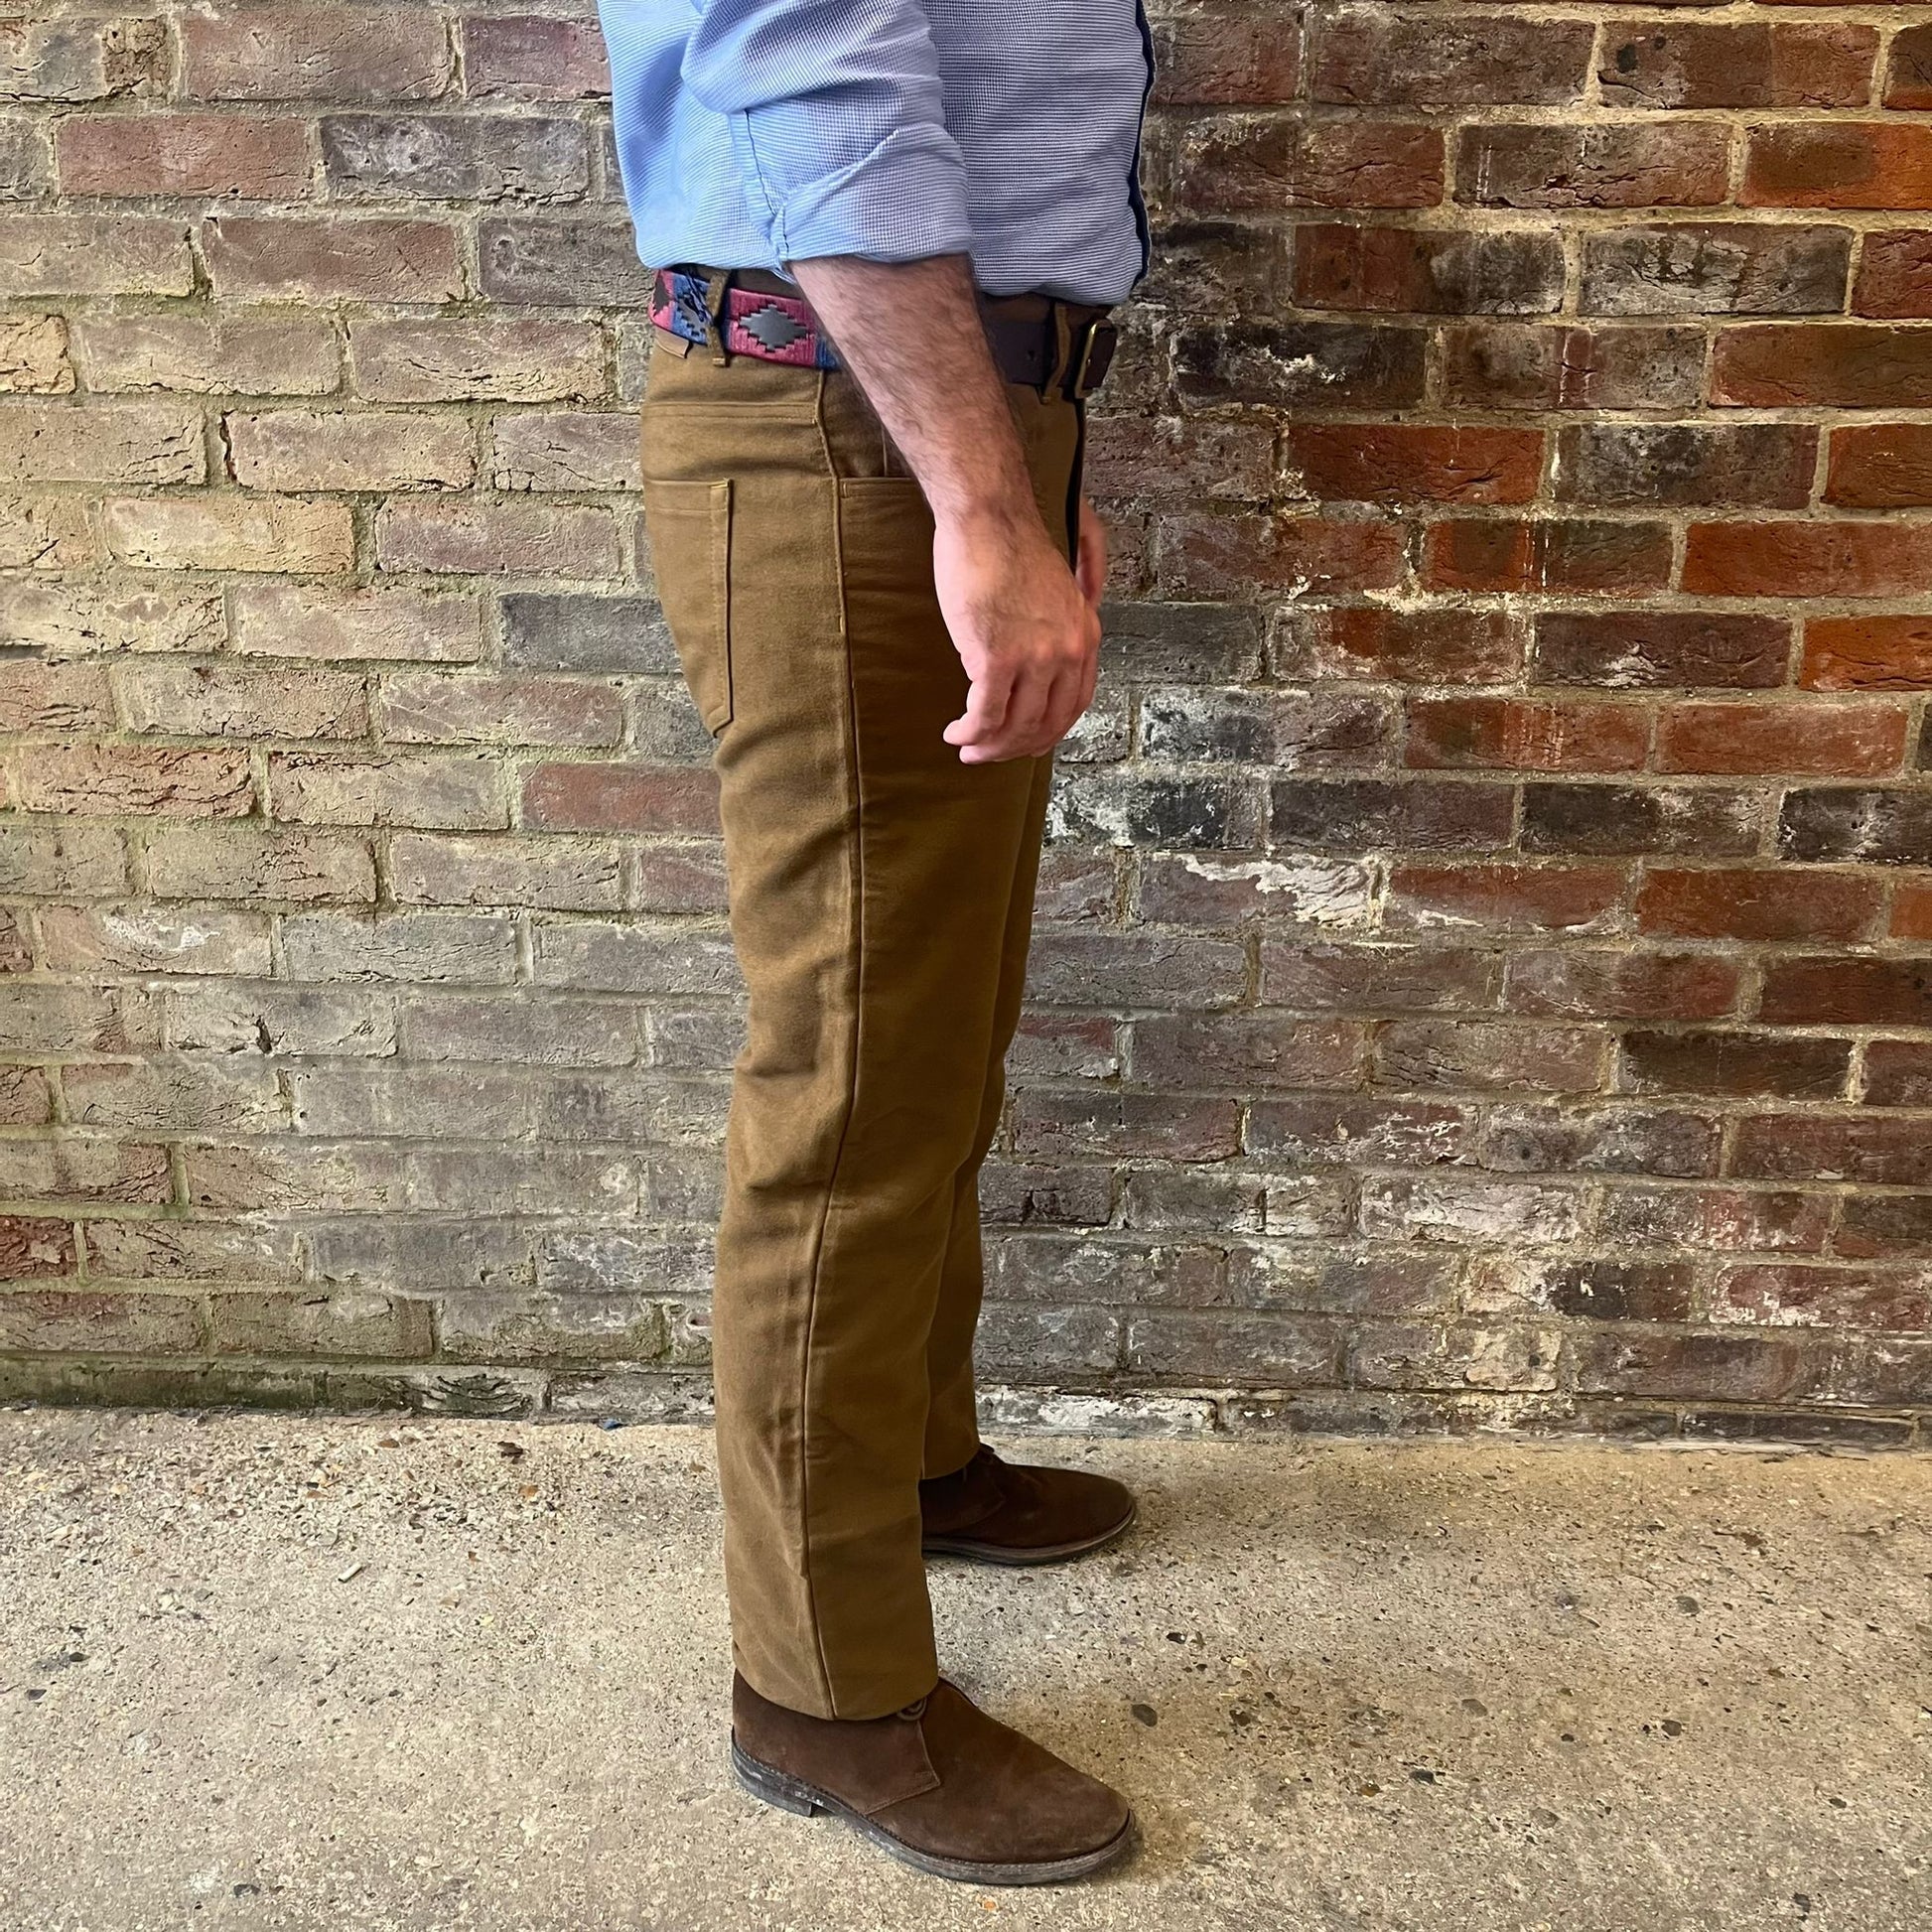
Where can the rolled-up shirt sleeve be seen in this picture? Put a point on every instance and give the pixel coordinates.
(837, 120)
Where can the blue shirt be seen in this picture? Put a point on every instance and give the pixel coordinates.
(751, 133)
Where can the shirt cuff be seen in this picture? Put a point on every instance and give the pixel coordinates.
(903, 202)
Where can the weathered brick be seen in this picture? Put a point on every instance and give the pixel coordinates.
(1587, 983)
(1567, 556)
(153, 939)
(1880, 466)
(245, 862)
(1838, 559)
(1248, 1350)
(108, 781)
(26, 160)
(602, 797)
(1506, 898)
(1257, 163)
(1521, 735)
(46, 533)
(33, 357)
(244, 51)
(1839, 164)
(322, 259)
(1895, 274)
(95, 254)
(1362, 57)
(314, 621)
(1689, 821)
(1897, 1074)
(1523, 365)
(100, 1322)
(1648, 649)
(1441, 645)
(470, 949)
(1218, 556)
(1867, 653)
(367, 449)
(74, 59)
(557, 451)
(49, 858)
(1757, 903)
(551, 631)
(41, 1018)
(1791, 1295)
(184, 154)
(229, 532)
(178, 1094)
(446, 158)
(497, 537)
(1219, 57)
(1406, 464)
(484, 359)
(434, 708)
(38, 697)
(561, 263)
(1701, 64)
(1600, 164)
(1812, 739)
(525, 57)
(1841, 366)
(218, 701)
(1705, 268)
(1472, 1054)
(233, 354)
(1850, 823)
(1338, 365)
(1244, 1049)
(1736, 1064)
(1427, 271)
(554, 873)
(403, 789)
(1356, 813)
(313, 1322)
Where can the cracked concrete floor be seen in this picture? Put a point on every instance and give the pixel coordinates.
(355, 1675)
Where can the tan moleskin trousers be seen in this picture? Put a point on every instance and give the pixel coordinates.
(880, 905)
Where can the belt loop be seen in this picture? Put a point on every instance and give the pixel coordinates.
(715, 292)
(1056, 376)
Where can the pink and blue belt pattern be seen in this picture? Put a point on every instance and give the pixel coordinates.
(772, 327)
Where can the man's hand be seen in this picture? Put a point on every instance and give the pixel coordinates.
(1024, 622)
(1024, 630)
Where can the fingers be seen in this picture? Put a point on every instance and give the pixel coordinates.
(984, 713)
(1090, 569)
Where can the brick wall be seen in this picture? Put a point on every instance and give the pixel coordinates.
(1488, 944)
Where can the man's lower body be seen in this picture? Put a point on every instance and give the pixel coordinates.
(880, 905)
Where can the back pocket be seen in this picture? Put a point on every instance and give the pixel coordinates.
(690, 550)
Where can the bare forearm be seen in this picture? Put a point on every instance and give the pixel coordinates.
(910, 333)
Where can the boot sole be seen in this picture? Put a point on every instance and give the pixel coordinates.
(1024, 1558)
(804, 1800)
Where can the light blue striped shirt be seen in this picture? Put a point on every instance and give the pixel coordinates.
(755, 132)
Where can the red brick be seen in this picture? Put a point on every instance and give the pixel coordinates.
(1894, 275)
(1758, 903)
(1876, 1149)
(1911, 910)
(1256, 163)
(1430, 645)
(184, 154)
(1394, 462)
(1672, 164)
(1222, 556)
(1642, 649)
(1855, 992)
(1678, 63)
(331, 259)
(1829, 1297)
(1554, 556)
(1212, 57)
(1898, 1074)
(1172, 456)
(1579, 984)
(31, 1249)
(1506, 898)
(1868, 654)
(1843, 365)
(525, 57)
(1812, 740)
(1427, 271)
(1808, 560)
(1362, 59)
(1909, 68)
(95, 254)
(1525, 365)
(1880, 466)
(620, 798)
(248, 52)
(1839, 164)
(1518, 735)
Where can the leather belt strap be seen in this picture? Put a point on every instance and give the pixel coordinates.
(762, 316)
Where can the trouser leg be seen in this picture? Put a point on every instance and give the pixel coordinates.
(873, 881)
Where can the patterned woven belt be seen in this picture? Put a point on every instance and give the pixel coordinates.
(774, 327)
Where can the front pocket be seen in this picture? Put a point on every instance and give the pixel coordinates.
(690, 525)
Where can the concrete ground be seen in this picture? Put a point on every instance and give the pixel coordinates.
(273, 1672)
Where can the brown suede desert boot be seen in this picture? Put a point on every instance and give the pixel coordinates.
(939, 1784)
(1010, 1512)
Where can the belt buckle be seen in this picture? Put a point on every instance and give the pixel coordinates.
(1098, 340)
